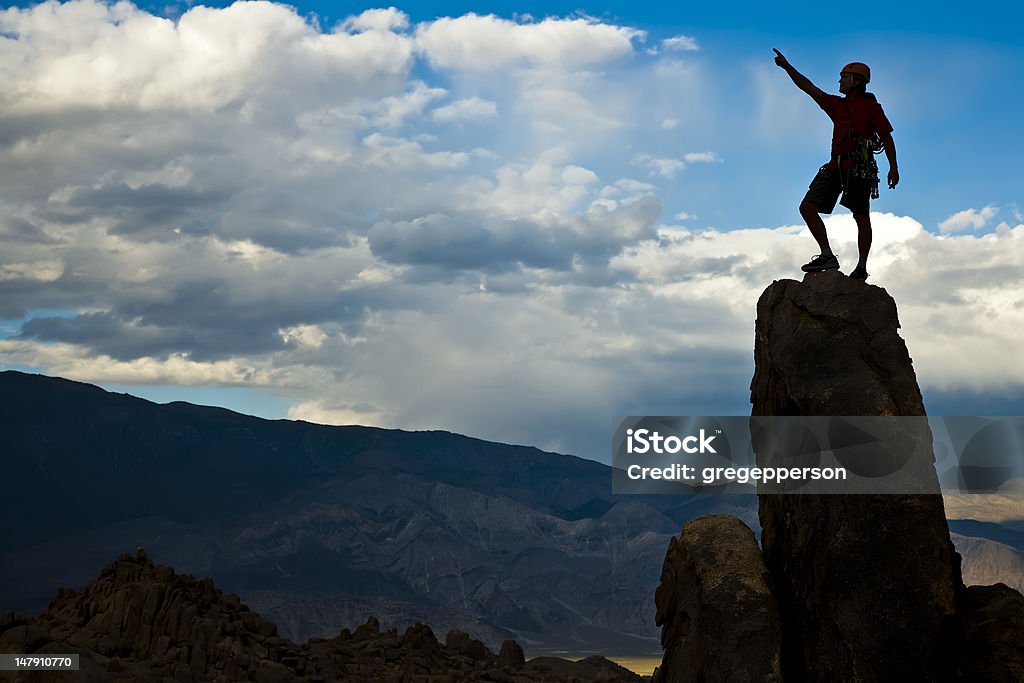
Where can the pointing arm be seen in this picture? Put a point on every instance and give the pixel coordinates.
(799, 79)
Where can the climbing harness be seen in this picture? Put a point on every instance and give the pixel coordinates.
(860, 163)
(864, 164)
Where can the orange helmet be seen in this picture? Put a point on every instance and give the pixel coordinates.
(859, 68)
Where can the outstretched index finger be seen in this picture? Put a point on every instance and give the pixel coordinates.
(776, 52)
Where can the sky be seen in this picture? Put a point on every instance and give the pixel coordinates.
(508, 220)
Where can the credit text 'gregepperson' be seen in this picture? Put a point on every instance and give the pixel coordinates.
(741, 475)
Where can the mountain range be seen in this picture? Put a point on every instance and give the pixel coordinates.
(318, 528)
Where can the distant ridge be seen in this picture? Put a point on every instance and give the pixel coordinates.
(46, 418)
(318, 527)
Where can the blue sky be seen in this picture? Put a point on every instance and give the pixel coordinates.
(513, 221)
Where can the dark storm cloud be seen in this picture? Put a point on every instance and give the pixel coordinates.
(442, 241)
(16, 128)
(456, 243)
(146, 210)
(15, 295)
(93, 330)
(14, 229)
(198, 318)
(122, 339)
(288, 219)
(21, 294)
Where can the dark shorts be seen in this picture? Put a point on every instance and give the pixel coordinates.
(827, 185)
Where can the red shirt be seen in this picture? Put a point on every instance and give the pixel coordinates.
(862, 115)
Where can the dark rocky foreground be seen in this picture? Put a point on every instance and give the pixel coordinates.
(845, 588)
(143, 622)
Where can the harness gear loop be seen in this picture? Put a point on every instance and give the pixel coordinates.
(861, 161)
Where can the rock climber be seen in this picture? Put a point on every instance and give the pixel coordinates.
(860, 130)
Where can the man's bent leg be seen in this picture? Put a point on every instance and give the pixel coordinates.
(817, 226)
(827, 260)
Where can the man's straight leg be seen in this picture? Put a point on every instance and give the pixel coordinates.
(863, 245)
(863, 237)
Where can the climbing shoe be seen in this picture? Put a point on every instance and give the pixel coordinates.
(859, 273)
(820, 263)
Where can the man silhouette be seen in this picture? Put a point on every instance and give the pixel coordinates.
(859, 124)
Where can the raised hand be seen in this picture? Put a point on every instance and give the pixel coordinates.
(780, 59)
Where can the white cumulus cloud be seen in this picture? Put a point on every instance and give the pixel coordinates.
(489, 42)
(86, 53)
(670, 167)
(968, 219)
(701, 158)
(681, 43)
(377, 20)
(470, 109)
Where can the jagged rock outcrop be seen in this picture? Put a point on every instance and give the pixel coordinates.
(141, 622)
(830, 346)
(720, 620)
(867, 584)
(991, 646)
(511, 654)
(868, 587)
